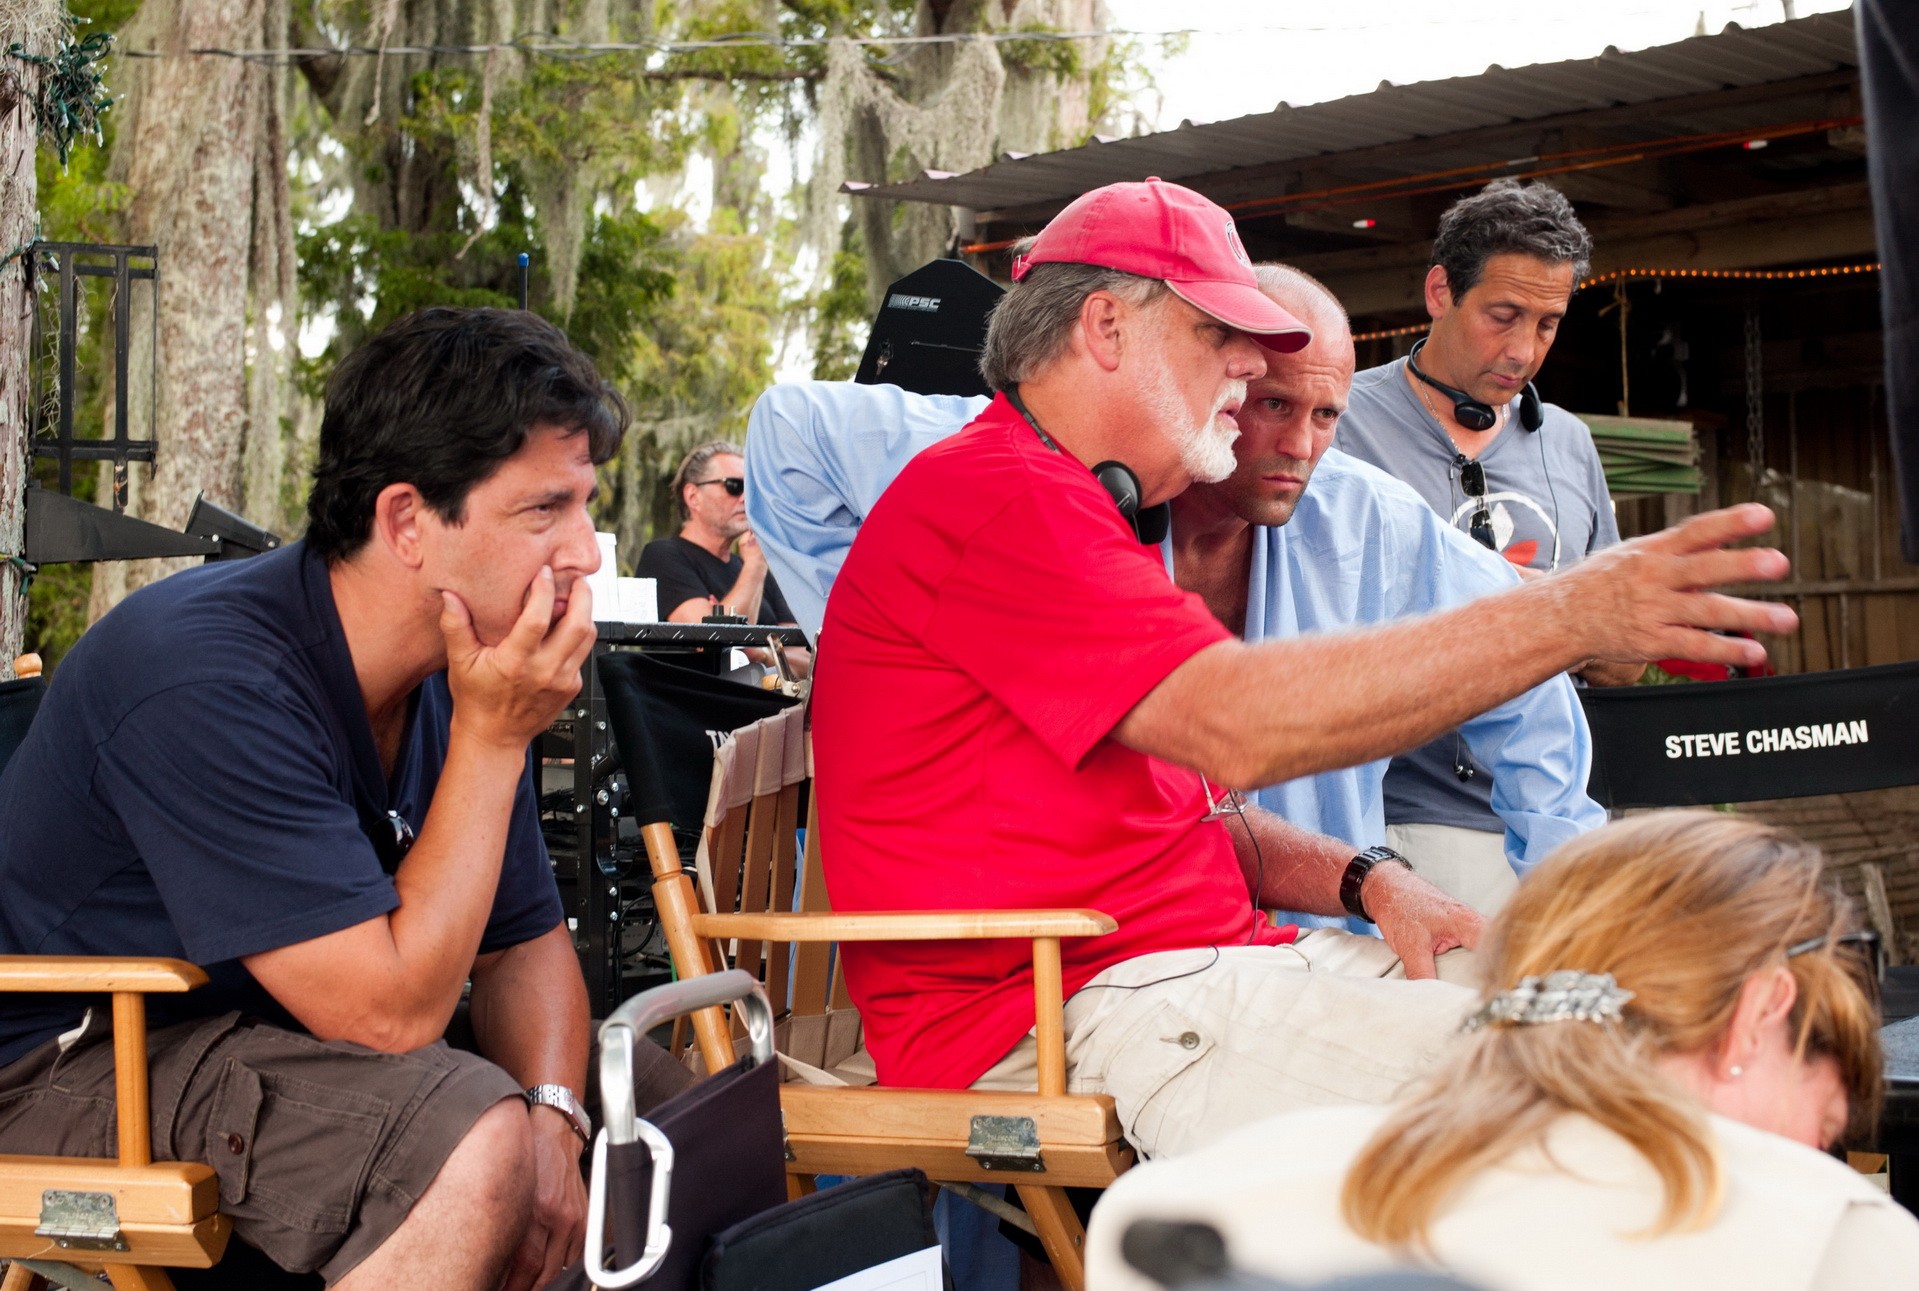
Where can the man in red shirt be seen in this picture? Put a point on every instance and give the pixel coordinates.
(1016, 708)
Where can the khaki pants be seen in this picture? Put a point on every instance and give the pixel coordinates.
(1468, 865)
(1192, 1044)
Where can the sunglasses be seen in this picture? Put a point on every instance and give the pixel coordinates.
(733, 485)
(1862, 947)
(1472, 478)
(392, 839)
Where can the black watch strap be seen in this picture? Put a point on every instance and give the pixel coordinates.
(1355, 877)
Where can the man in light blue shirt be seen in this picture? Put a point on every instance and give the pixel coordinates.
(1357, 548)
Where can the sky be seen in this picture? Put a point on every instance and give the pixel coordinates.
(1250, 55)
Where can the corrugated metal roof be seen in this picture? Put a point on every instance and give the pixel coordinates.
(1394, 114)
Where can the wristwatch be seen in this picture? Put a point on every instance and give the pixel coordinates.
(561, 1100)
(1355, 877)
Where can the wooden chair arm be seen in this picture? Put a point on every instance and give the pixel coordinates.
(916, 925)
(129, 981)
(97, 974)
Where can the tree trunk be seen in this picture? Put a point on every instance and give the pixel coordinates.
(186, 148)
(19, 203)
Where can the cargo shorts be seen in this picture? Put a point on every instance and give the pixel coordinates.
(321, 1147)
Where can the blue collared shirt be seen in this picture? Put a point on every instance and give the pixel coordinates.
(1361, 549)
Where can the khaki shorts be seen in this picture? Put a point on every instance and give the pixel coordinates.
(1193, 1044)
(321, 1148)
(1468, 865)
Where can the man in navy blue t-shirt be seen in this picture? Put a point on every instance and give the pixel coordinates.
(308, 772)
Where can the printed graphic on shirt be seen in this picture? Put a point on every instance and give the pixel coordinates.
(1507, 527)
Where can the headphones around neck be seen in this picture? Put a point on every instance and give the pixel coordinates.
(1150, 524)
(1472, 413)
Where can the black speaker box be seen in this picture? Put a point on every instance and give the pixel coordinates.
(930, 330)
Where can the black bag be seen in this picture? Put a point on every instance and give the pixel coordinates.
(832, 1234)
(699, 1163)
(693, 1196)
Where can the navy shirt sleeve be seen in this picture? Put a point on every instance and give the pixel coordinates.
(229, 797)
(527, 904)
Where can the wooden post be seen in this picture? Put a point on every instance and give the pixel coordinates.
(1048, 1025)
(130, 1077)
(674, 900)
(1059, 1231)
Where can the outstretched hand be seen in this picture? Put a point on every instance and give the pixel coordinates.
(508, 693)
(1418, 921)
(1649, 598)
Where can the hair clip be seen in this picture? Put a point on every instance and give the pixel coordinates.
(1564, 996)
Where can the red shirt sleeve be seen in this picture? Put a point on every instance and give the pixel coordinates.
(1056, 610)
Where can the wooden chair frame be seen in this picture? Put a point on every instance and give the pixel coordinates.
(143, 1216)
(1058, 1140)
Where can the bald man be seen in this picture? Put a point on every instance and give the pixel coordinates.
(1270, 558)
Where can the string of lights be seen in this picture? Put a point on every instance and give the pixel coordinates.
(1647, 275)
(1739, 275)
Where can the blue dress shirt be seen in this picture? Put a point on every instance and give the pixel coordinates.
(1361, 549)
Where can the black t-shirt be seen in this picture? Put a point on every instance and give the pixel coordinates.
(687, 571)
(202, 782)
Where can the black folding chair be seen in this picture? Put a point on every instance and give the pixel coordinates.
(666, 722)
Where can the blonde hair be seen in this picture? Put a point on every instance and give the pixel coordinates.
(1681, 908)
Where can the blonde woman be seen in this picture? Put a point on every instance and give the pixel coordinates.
(1679, 1017)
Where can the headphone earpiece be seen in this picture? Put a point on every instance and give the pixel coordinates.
(1475, 414)
(1150, 524)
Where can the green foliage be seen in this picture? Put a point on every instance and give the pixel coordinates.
(628, 276)
(1060, 57)
(840, 313)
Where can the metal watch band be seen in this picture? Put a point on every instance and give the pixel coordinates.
(1354, 878)
(561, 1100)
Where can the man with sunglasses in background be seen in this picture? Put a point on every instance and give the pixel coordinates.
(308, 773)
(698, 569)
(1458, 419)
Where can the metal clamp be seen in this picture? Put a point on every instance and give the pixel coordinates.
(1009, 1143)
(659, 1235)
(80, 1221)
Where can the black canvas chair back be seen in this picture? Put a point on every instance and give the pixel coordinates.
(666, 722)
(1745, 741)
(19, 701)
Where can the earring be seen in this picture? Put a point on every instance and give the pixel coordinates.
(1735, 1073)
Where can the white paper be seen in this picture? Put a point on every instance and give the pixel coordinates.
(605, 581)
(639, 601)
(920, 1271)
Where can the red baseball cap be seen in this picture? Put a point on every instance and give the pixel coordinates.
(1161, 230)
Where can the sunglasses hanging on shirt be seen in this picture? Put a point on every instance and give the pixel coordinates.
(1472, 479)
